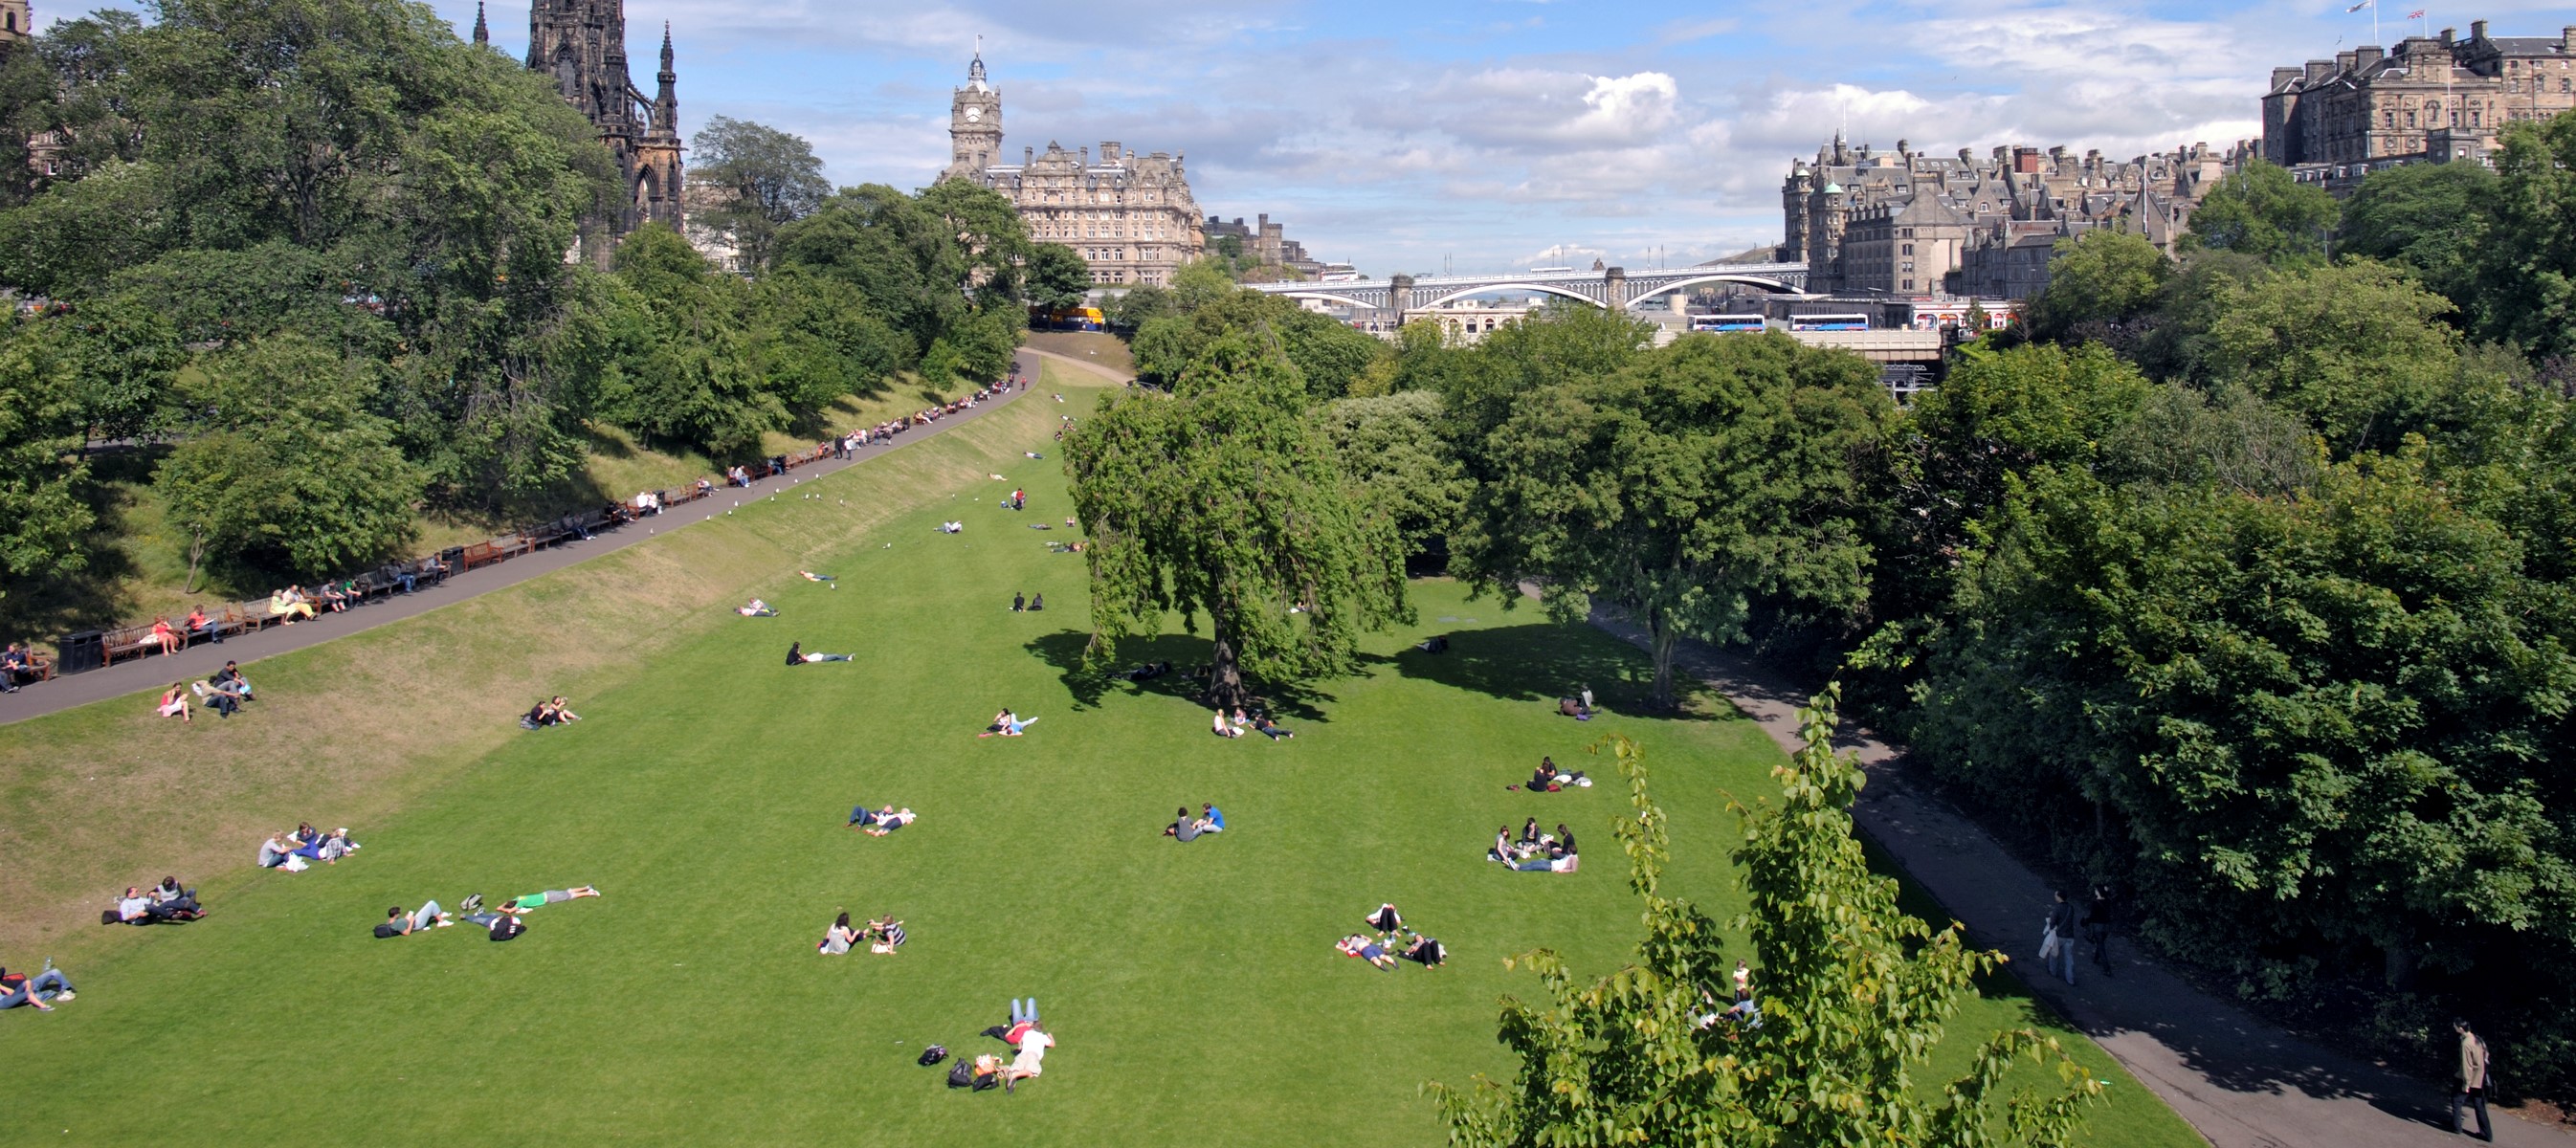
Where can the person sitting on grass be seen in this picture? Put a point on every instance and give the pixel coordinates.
(796, 655)
(1037, 601)
(755, 609)
(1018, 602)
(1359, 945)
(838, 939)
(136, 909)
(227, 693)
(1222, 729)
(885, 935)
(1185, 827)
(563, 711)
(174, 702)
(401, 924)
(1503, 850)
(1271, 729)
(20, 989)
(1212, 817)
(549, 897)
(170, 894)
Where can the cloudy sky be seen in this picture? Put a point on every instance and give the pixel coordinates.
(1483, 134)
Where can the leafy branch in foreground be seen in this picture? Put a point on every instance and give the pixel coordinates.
(1853, 996)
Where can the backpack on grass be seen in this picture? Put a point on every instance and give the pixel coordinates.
(961, 1074)
(934, 1054)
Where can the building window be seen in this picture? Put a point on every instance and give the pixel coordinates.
(1909, 249)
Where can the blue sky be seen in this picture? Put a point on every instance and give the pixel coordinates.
(1396, 135)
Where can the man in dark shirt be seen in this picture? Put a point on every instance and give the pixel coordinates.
(2061, 924)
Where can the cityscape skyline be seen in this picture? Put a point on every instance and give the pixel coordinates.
(1407, 137)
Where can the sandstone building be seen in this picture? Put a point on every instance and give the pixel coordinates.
(17, 22)
(2438, 98)
(582, 45)
(1130, 216)
(1909, 223)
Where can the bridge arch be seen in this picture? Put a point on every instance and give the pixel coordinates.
(1487, 288)
(1774, 286)
(1327, 297)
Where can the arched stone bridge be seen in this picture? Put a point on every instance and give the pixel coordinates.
(1612, 288)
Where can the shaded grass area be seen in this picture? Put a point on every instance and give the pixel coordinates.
(1193, 988)
(1089, 346)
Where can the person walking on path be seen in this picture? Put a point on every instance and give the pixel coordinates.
(2097, 928)
(2470, 1086)
(2057, 946)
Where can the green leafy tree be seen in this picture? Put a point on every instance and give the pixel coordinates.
(680, 372)
(1222, 499)
(1853, 995)
(1390, 446)
(1141, 303)
(768, 178)
(289, 469)
(2357, 348)
(1705, 473)
(2261, 211)
(1198, 284)
(44, 520)
(2100, 277)
(813, 341)
(1057, 276)
(2425, 217)
(2526, 274)
(1330, 356)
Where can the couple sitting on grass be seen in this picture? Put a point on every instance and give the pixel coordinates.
(1535, 852)
(1392, 942)
(1007, 724)
(879, 822)
(295, 852)
(1188, 828)
(504, 922)
(553, 711)
(1243, 725)
(1547, 778)
(755, 609)
(166, 901)
(882, 936)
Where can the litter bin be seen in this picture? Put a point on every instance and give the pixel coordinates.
(84, 650)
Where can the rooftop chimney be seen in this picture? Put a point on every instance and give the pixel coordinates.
(2282, 76)
(2477, 29)
(2343, 61)
(2447, 34)
(2366, 56)
(2319, 69)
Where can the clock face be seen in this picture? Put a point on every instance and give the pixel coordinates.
(973, 114)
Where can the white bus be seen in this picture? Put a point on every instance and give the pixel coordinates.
(1829, 322)
(1728, 323)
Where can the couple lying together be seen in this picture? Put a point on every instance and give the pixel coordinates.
(1547, 778)
(166, 901)
(882, 936)
(503, 923)
(1535, 852)
(1385, 948)
(295, 852)
(879, 822)
(1007, 724)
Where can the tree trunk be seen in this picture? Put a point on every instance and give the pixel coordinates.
(1662, 641)
(196, 551)
(1225, 679)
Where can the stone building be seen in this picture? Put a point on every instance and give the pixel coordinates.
(17, 21)
(2436, 98)
(1908, 223)
(1130, 216)
(1267, 243)
(582, 44)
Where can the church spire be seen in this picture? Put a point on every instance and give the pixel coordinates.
(666, 101)
(482, 31)
(975, 71)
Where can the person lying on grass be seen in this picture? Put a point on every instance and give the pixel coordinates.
(1545, 777)
(879, 822)
(1271, 729)
(1385, 919)
(832, 580)
(401, 924)
(503, 923)
(1007, 724)
(838, 939)
(755, 609)
(1423, 951)
(1359, 945)
(796, 655)
(20, 989)
(226, 694)
(549, 897)
(136, 909)
(1032, 1059)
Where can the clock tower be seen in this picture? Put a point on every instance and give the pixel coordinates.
(974, 125)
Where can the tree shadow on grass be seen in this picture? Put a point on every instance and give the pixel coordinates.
(1540, 662)
(1064, 648)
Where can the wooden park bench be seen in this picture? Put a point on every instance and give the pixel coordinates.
(127, 642)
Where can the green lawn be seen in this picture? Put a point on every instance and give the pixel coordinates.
(1194, 989)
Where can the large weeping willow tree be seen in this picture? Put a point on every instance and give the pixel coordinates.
(1222, 499)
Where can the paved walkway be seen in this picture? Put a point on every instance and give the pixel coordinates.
(2241, 1081)
(200, 661)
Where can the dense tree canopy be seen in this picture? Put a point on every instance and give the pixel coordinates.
(1222, 498)
(767, 178)
(2259, 210)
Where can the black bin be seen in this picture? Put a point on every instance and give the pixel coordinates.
(84, 650)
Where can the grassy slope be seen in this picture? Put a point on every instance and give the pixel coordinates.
(150, 559)
(1193, 986)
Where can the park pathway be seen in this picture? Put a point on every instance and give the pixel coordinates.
(2240, 1081)
(200, 661)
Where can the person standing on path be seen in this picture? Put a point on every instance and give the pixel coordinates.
(2097, 927)
(2469, 1087)
(2059, 945)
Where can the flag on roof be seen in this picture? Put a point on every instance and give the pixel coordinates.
(2417, 14)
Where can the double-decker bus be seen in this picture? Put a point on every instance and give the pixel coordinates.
(1752, 323)
(1829, 322)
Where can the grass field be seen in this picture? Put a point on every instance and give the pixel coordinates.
(1193, 988)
